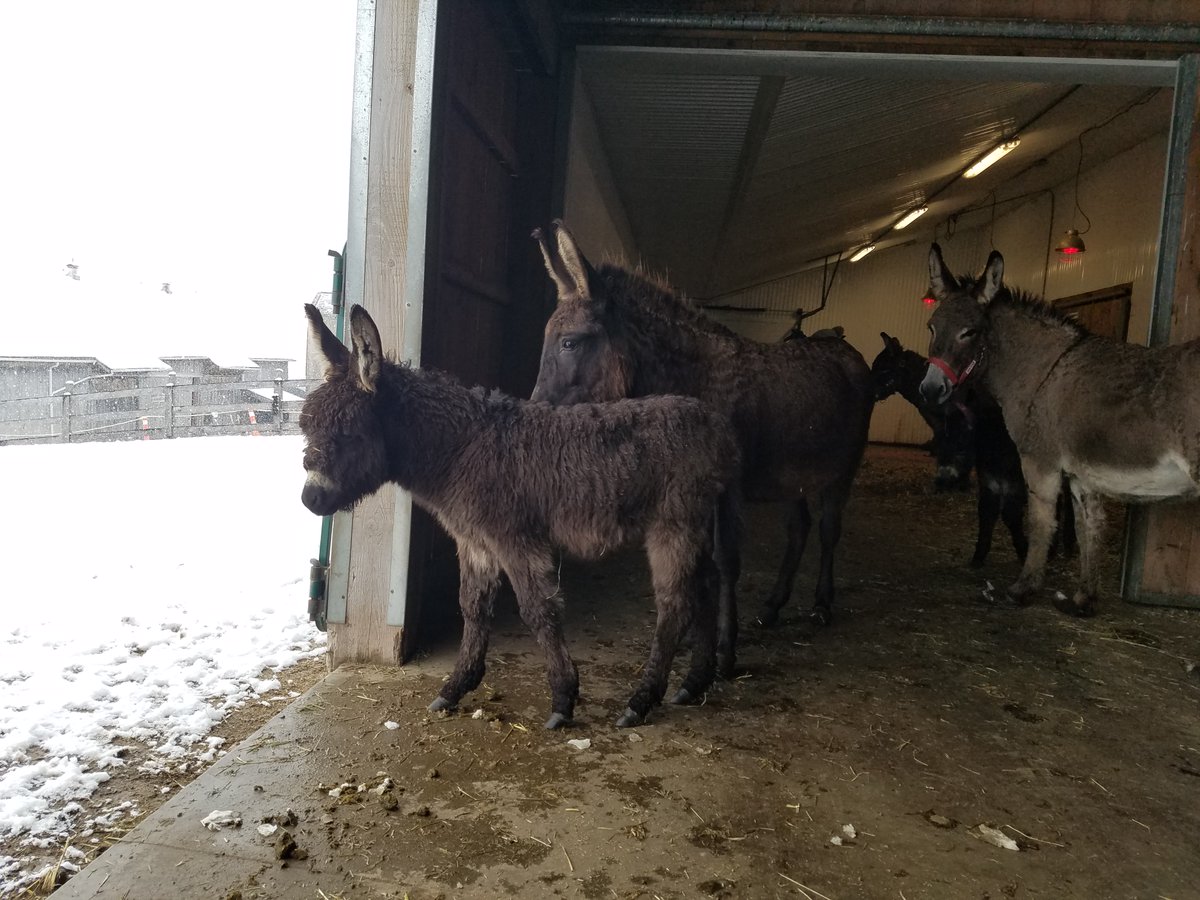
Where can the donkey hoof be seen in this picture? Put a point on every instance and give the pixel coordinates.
(1081, 606)
(821, 616)
(630, 719)
(768, 617)
(440, 704)
(817, 620)
(683, 697)
(557, 720)
(1018, 595)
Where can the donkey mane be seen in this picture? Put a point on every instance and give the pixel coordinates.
(646, 296)
(1026, 302)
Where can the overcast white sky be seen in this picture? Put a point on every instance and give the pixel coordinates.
(205, 145)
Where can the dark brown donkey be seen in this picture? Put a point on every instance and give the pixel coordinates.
(800, 408)
(511, 481)
(1119, 420)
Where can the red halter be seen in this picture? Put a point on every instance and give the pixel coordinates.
(956, 378)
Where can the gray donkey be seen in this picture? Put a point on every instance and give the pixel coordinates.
(1119, 420)
(512, 480)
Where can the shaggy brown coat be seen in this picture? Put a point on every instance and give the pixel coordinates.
(800, 409)
(512, 480)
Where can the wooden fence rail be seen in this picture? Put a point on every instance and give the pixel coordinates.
(179, 409)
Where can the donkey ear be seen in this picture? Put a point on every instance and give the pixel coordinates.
(941, 281)
(568, 267)
(993, 278)
(326, 348)
(368, 350)
(888, 340)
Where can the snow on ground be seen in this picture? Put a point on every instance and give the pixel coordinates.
(149, 584)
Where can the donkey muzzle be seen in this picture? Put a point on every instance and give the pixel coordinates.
(317, 496)
(936, 386)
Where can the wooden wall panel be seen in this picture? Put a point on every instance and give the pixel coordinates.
(366, 635)
(1171, 566)
(490, 185)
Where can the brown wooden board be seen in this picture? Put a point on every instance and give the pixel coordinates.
(1170, 568)
(490, 185)
(1104, 312)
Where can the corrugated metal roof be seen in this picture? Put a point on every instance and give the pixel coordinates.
(844, 151)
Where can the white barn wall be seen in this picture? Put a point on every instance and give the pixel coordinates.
(882, 292)
(592, 206)
(1123, 197)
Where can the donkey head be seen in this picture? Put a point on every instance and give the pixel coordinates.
(344, 455)
(580, 360)
(958, 327)
(887, 369)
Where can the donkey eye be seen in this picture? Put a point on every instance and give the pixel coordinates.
(967, 334)
(570, 344)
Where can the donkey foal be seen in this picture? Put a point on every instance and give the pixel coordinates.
(512, 480)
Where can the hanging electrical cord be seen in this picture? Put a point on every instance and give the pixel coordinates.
(1146, 97)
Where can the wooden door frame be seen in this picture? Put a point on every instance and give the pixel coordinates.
(389, 177)
(1177, 276)
(385, 272)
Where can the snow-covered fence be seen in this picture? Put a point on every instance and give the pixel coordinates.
(186, 407)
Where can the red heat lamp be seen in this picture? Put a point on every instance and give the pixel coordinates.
(1071, 245)
(929, 300)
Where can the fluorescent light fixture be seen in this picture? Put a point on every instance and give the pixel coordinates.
(996, 153)
(862, 251)
(911, 216)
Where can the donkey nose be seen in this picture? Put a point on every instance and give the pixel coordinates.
(315, 499)
(936, 387)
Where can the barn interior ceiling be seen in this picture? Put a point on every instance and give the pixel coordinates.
(738, 167)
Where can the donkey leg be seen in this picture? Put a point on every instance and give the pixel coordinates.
(988, 508)
(727, 543)
(1089, 507)
(1012, 512)
(833, 502)
(798, 526)
(705, 653)
(479, 578)
(673, 572)
(1043, 495)
(541, 610)
(1066, 541)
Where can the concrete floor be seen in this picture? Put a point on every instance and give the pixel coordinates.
(923, 718)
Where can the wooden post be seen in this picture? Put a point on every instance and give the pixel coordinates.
(169, 410)
(277, 405)
(1162, 551)
(385, 273)
(66, 417)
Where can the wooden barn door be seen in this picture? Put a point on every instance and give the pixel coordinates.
(1104, 312)
(491, 183)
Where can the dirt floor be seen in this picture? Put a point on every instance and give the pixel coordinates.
(931, 744)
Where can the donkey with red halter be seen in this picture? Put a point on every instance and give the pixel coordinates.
(800, 409)
(1119, 420)
(513, 481)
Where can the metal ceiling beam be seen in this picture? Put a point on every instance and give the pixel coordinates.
(908, 66)
(918, 26)
(765, 100)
